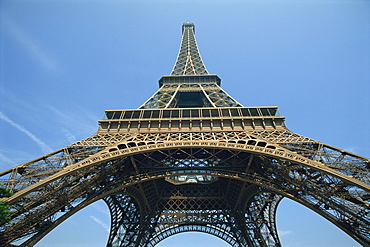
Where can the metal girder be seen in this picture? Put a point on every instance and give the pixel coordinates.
(338, 191)
(210, 95)
(125, 217)
(193, 207)
(189, 61)
(337, 199)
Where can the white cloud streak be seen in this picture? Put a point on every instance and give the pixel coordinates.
(45, 148)
(100, 222)
(7, 160)
(70, 137)
(78, 121)
(29, 44)
(283, 233)
(101, 209)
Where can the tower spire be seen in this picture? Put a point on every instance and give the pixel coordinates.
(189, 61)
(190, 85)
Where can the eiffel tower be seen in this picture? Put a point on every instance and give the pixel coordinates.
(191, 158)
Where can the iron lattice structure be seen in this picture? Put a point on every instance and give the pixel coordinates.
(191, 158)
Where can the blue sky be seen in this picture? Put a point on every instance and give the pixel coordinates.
(62, 63)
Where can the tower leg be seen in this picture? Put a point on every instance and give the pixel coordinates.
(125, 218)
(260, 216)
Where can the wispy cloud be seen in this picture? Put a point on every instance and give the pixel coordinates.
(7, 160)
(100, 222)
(351, 149)
(78, 121)
(29, 44)
(45, 148)
(283, 233)
(10, 157)
(101, 209)
(70, 137)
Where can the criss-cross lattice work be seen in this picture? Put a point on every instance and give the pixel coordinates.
(204, 95)
(189, 61)
(191, 158)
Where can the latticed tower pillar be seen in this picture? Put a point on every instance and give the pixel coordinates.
(191, 158)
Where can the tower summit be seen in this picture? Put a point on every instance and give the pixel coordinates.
(189, 61)
(190, 85)
(191, 158)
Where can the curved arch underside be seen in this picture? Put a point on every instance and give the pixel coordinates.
(156, 189)
(194, 208)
